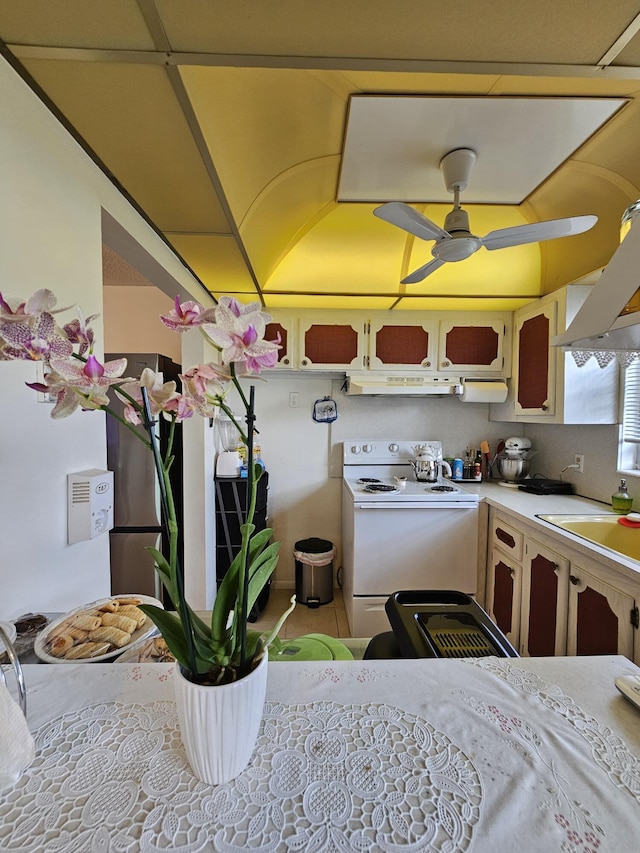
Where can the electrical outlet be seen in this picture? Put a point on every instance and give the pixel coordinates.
(580, 462)
(293, 399)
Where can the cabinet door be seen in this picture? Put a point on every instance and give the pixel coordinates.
(328, 343)
(284, 328)
(536, 361)
(401, 345)
(545, 581)
(474, 346)
(504, 581)
(601, 618)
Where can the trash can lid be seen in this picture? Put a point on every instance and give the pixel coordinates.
(314, 545)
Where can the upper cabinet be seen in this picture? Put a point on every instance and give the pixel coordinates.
(319, 340)
(429, 343)
(402, 343)
(547, 386)
(473, 344)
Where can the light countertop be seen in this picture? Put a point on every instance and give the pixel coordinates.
(525, 508)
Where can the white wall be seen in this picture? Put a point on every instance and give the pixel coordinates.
(51, 215)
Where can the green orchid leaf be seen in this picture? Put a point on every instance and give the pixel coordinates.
(261, 571)
(228, 592)
(172, 631)
(272, 635)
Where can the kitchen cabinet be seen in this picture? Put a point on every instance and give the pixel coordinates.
(504, 577)
(547, 385)
(543, 612)
(503, 597)
(431, 343)
(402, 343)
(602, 618)
(527, 591)
(470, 345)
(319, 340)
(549, 600)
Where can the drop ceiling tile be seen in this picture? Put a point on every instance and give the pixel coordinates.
(393, 145)
(130, 117)
(116, 24)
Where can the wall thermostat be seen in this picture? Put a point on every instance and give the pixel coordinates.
(90, 504)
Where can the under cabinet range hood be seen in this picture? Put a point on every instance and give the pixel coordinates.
(378, 385)
(600, 324)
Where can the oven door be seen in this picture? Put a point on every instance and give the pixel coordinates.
(415, 546)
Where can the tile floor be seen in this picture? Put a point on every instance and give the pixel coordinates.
(328, 619)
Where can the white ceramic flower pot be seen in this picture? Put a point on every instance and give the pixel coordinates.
(219, 725)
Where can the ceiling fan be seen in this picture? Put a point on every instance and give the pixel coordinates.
(455, 242)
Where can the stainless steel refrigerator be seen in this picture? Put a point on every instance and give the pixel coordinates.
(137, 514)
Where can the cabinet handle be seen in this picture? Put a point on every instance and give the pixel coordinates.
(426, 363)
(285, 361)
(445, 363)
(512, 572)
(554, 568)
(304, 362)
(545, 407)
(574, 580)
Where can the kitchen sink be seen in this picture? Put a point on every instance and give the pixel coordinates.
(603, 530)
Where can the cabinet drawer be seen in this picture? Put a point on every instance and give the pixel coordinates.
(507, 538)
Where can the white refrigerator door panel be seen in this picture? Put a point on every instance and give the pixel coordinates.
(414, 548)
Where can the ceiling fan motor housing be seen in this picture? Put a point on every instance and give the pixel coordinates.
(456, 168)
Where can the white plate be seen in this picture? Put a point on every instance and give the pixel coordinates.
(40, 645)
(143, 652)
(10, 630)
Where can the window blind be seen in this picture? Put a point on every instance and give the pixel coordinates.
(631, 422)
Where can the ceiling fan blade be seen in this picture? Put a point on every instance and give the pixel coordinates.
(406, 217)
(536, 232)
(422, 272)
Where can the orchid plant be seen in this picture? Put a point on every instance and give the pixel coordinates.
(223, 650)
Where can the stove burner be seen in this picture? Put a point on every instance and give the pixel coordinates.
(369, 480)
(379, 487)
(441, 489)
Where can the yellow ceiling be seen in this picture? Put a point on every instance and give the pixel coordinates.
(225, 122)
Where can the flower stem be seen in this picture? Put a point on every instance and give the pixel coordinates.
(250, 510)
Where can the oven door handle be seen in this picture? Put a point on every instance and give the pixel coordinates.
(424, 505)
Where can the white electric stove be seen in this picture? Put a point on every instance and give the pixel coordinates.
(400, 533)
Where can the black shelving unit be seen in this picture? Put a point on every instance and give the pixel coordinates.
(231, 497)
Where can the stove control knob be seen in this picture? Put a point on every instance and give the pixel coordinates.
(393, 448)
(355, 449)
(367, 448)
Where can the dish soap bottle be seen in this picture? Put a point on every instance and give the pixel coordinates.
(621, 502)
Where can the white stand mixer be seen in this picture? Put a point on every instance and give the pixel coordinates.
(513, 462)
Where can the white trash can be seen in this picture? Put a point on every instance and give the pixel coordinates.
(314, 571)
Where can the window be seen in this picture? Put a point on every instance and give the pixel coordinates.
(629, 449)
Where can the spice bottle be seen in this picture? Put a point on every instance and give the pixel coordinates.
(478, 465)
(621, 502)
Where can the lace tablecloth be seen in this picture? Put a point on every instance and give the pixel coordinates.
(492, 756)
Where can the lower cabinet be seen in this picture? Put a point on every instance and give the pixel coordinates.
(546, 604)
(601, 618)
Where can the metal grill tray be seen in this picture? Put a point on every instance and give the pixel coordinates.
(444, 624)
